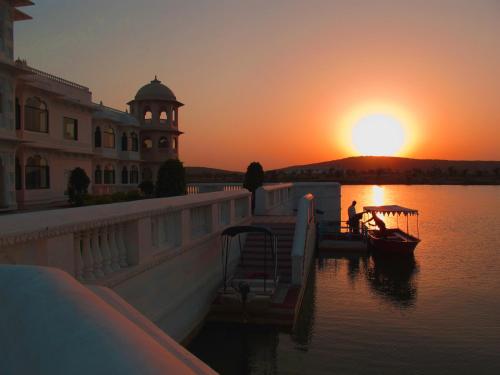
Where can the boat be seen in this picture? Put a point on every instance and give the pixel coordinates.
(248, 288)
(391, 240)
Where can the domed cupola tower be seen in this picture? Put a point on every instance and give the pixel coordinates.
(156, 108)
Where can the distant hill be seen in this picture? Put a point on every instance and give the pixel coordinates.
(203, 174)
(393, 170)
(366, 163)
(190, 171)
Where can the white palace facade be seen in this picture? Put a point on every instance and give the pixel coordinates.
(49, 126)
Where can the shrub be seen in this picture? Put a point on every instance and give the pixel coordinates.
(147, 188)
(133, 195)
(77, 186)
(171, 179)
(119, 196)
(254, 178)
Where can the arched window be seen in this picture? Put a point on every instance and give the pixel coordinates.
(147, 174)
(163, 143)
(124, 142)
(98, 175)
(124, 175)
(147, 143)
(37, 173)
(36, 115)
(19, 184)
(97, 137)
(135, 142)
(134, 175)
(163, 116)
(109, 174)
(109, 138)
(148, 115)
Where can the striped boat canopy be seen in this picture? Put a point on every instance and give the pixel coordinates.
(392, 209)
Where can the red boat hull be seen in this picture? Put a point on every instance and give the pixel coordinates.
(394, 241)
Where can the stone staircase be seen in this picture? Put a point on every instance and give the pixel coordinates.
(254, 258)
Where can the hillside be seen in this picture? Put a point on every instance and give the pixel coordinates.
(393, 170)
(366, 163)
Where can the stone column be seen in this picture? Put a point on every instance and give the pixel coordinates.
(122, 247)
(88, 269)
(78, 257)
(96, 254)
(115, 257)
(106, 253)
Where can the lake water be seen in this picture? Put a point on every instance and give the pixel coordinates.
(438, 313)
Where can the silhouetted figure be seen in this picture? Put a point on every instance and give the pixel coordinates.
(379, 223)
(353, 218)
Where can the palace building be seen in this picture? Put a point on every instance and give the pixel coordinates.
(49, 126)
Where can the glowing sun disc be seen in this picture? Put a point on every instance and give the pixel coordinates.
(378, 135)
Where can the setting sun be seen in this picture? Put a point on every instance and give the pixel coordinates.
(378, 135)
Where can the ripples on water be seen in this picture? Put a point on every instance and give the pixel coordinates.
(438, 312)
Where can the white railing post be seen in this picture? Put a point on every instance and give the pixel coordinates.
(77, 245)
(96, 253)
(106, 253)
(122, 248)
(88, 270)
(115, 257)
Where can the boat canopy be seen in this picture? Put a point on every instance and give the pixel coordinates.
(392, 209)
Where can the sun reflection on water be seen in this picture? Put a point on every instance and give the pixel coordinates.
(378, 195)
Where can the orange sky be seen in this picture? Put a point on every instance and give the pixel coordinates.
(274, 81)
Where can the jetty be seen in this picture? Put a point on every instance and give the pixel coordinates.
(156, 263)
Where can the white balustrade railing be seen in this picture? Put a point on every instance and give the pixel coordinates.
(108, 239)
(209, 187)
(303, 239)
(275, 197)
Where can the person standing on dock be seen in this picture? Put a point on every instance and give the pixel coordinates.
(353, 218)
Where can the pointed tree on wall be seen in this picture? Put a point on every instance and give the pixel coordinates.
(254, 178)
(171, 179)
(78, 185)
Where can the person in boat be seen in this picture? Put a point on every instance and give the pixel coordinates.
(382, 228)
(353, 218)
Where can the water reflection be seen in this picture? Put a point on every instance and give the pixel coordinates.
(393, 278)
(303, 329)
(237, 348)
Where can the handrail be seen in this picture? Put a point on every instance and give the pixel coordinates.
(54, 78)
(305, 217)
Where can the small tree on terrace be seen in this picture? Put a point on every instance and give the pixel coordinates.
(77, 186)
(171, 179)
(254, 178)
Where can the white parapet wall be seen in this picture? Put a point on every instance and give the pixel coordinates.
(304, 239)
(161, 255)
(326, 197)
(52, 325)
(275, 199)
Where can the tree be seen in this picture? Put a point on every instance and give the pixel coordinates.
(254, 178)
(147, 188)
(77, 186)
(171, 179)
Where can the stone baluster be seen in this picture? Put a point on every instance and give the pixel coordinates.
(88, 269)
(106, 253)
(78, 257)
(115, 257)
(122, 247)
(96, 254)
